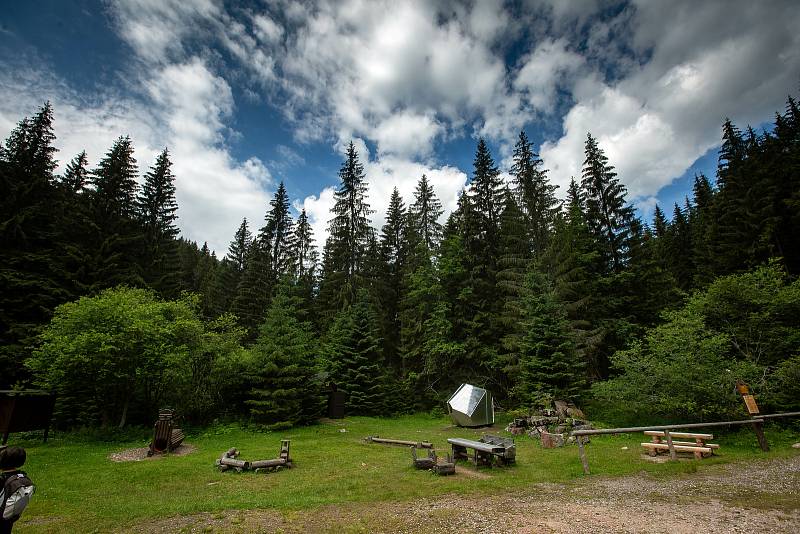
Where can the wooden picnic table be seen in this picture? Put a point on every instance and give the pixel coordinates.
(699, 447)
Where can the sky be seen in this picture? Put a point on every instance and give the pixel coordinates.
(248, 94)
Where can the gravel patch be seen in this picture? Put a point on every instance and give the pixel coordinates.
(759, 496)
(140, 453)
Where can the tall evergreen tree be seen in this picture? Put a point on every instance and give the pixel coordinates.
(117, 239)
(157, 214)
(76, 174)
(607, 214)
(350, 235)
(424, 214)
(278, 235)
(550, 367)
(393, 253)
(535, 194)
(33, 279)
(355, 357)
(283, 366)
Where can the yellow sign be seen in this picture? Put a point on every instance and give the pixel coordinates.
(750, 402)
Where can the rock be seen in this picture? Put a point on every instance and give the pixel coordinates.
(574, 411)
(560, 429)
(624, 448)
(796, 446)
(517, 430)
(551, 441)
(561, 409)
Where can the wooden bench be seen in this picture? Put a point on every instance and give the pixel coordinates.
(699, 447)
(486, 451)
(166, 438)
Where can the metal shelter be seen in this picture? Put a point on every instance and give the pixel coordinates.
(471, 406)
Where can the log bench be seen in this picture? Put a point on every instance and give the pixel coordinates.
(699, 447)
(486, 451)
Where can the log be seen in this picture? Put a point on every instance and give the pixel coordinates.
(685, 435)
(405, 443)
(678, 448)
(267, 463)
(242, 464)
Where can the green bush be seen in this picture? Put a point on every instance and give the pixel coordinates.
(744, 327)
(119, 355)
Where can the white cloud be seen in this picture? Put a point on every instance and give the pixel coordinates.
(656, 121)
(267, 30)
(544, 69)
(186, 111)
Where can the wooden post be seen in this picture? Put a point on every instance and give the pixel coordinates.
(672, 455)
(758, 428)
(584, 460)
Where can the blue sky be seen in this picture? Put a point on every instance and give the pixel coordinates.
(248, 94)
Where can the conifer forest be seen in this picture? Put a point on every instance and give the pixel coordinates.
(533, 293)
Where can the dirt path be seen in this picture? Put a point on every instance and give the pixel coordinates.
(762, 496)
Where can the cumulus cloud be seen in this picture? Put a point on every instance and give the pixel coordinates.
(186, 111)
(651, 80)
(664, 114)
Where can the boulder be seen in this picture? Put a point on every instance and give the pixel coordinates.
(551, 441)
(575, 412)
(796, 446)
(561, 409)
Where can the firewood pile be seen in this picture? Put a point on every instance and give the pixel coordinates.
(552, 426)
(230, 460)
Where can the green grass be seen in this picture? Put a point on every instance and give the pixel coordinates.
(79, 489)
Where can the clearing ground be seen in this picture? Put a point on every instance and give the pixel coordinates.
(757, 496)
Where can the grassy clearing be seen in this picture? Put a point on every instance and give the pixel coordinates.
(79, 489)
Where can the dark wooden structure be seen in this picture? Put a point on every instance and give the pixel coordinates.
(166, 437)
(440, 466)
(229, 460)
(23, 411)
(487, 451)
(424, 462)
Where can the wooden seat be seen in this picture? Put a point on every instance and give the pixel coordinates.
(678, 448)
(684, 435)
(166, 438)
(485, 451)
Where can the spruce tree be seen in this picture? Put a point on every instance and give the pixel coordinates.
(33, 279)
(283, 366)
(158, 209)
(607, 214)
(355, 357)
(76, 174)
(278, 235)
(349, 238)
(118, 236)
(513, 263)
(392, 267)
(306, 259)
(550, 367)
(535, 194)
(424, 214)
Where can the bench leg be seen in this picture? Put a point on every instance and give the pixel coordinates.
(460, 453)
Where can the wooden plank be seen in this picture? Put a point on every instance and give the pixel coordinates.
(477, 445)
(688, 435)
(678, 448)
(695, 444)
